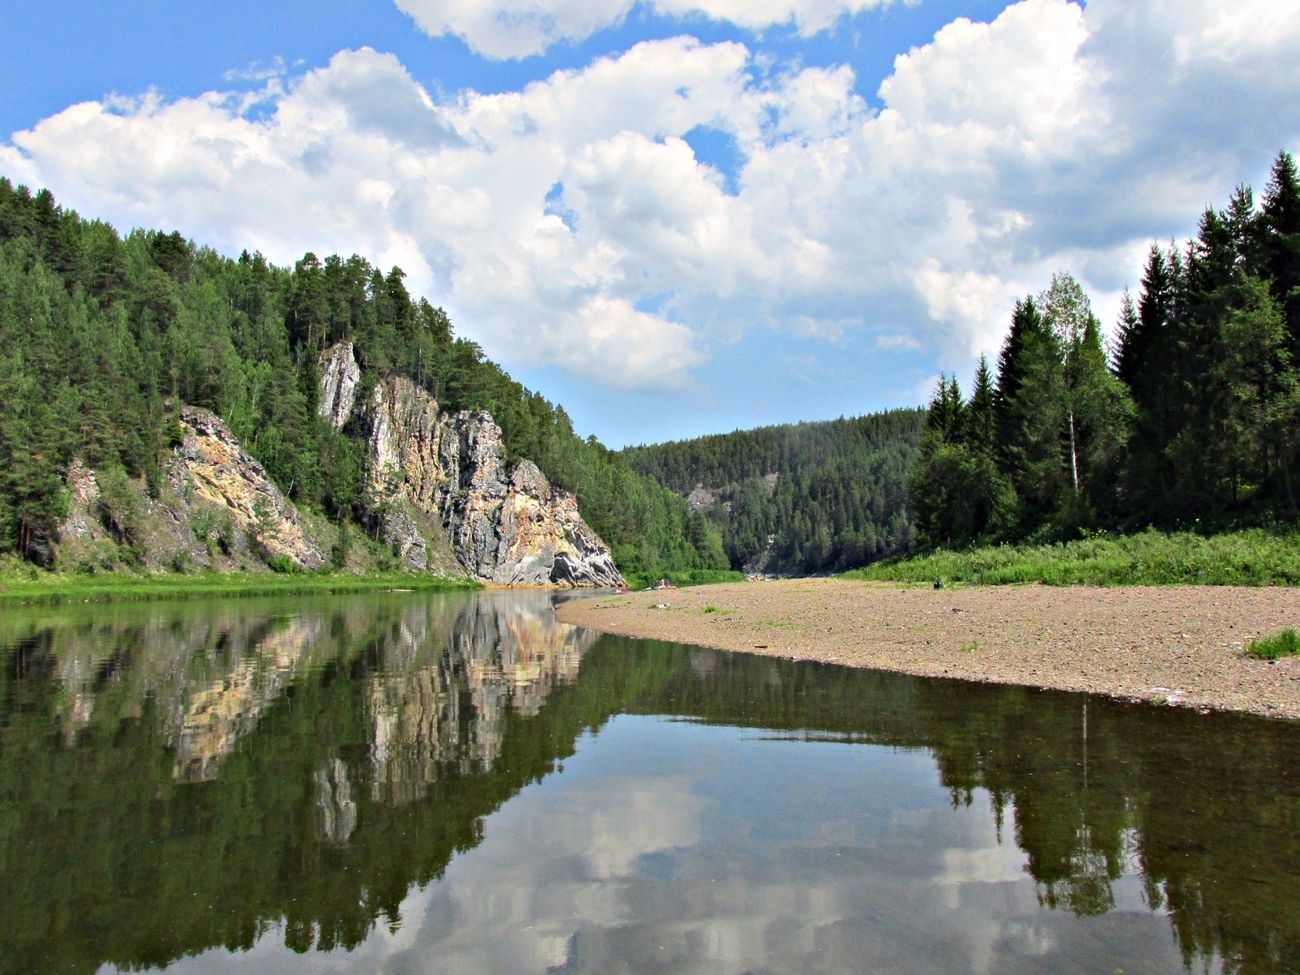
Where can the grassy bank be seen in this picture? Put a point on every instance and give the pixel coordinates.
(33, 586)
(1245, 558)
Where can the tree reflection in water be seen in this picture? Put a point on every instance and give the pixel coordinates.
(177, 778)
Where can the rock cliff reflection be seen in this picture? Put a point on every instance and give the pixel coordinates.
(416, 782)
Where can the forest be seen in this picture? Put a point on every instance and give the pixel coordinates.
(799, 498)
(103, 337)
(1190, 419)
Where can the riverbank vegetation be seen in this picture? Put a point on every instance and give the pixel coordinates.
(685, 577)
(1254, 557)
(1192, 419)
(1188, 422)
(103, 338)
(27, 584)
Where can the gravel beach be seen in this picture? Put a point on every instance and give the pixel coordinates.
(1178, 645)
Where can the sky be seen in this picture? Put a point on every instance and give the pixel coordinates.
(673, 217)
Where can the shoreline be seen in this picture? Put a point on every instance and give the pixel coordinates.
(132, 587)
(1174, 645)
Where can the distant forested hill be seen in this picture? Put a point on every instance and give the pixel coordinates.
(809, 497)
(103, 337)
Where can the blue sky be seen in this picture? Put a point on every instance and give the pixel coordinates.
(678, 216)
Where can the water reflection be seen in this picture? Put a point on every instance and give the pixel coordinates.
(228, 780)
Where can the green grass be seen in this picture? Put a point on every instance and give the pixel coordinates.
(21, 586)
(1284, 644)
(686, 577)
(1253, 557)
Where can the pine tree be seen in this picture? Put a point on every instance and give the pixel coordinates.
(1031, 410)
(980, 422)
(1146, 363)
(1278, 242)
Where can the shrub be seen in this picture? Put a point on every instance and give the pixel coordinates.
(203, 523)
(283, 564)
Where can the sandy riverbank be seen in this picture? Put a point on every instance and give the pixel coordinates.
(1177, 644)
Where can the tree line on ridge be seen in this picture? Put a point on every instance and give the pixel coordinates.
(799, 498)
(102, 337)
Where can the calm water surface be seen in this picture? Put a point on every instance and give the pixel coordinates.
(418, 783)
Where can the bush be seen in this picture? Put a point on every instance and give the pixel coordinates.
(203, 523)
(283, 564)
(119, 509)
(341, 548)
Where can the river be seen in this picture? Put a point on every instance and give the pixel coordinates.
(447, 783)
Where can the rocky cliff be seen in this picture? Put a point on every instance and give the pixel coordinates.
(215, 508)
(439, 484)
(437, 487)
(234, 483)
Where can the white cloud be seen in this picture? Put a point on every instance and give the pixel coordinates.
(569, 223)
(891, 343)
(260, 71)
(972, 305)
(512, 29)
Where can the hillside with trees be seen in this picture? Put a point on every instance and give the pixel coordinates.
(103, 337)
(1193, 420)
(801, 498)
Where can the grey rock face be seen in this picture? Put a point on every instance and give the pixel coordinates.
(340, 376)
(429, 473)
(228, 477)
(217, 509)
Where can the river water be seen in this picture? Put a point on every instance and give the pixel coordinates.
(447, 783)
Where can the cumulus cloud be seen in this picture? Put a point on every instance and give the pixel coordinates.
(511, 29)
(570, 223)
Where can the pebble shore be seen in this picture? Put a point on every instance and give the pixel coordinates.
(1175, 645)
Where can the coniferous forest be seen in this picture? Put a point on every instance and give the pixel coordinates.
(1191, 420)
(800, 498)
(103, 337)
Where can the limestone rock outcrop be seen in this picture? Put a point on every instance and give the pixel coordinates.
(438, 490)
(439, 483)
(215, 508)
(515, 528)
(228, 477)
(340, 377)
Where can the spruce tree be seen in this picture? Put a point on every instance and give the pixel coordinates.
(1031, 410)
(979, 428)
(1278, 242)
(1145, 363)
(1103, 417)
